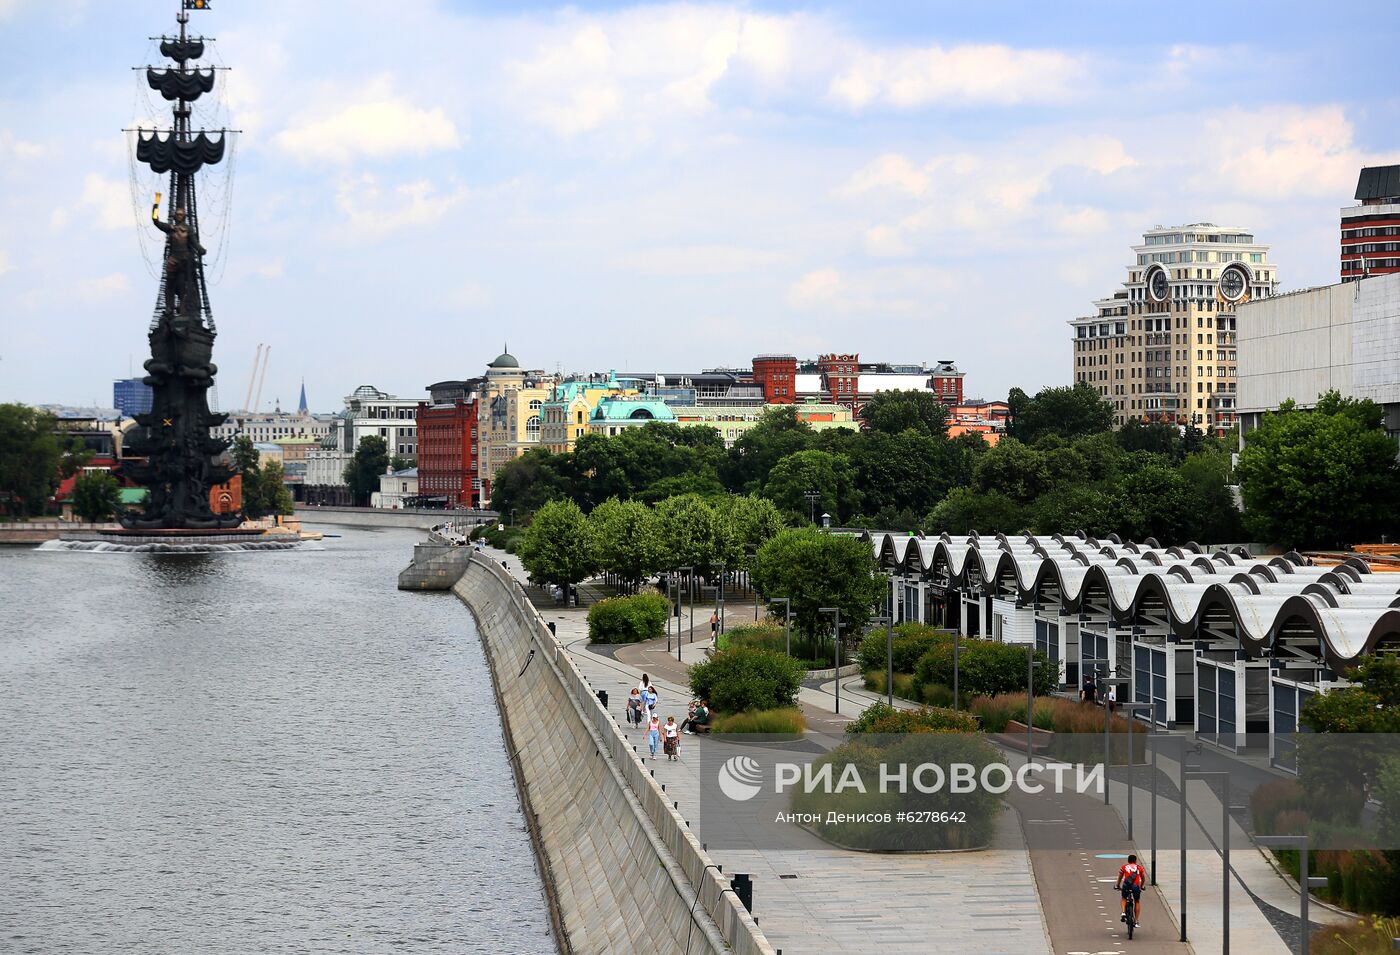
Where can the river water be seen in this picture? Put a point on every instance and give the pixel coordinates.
(252, 752)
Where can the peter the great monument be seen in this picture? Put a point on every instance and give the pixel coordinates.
(182, 460)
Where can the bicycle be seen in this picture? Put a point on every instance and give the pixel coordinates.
(1129, 911)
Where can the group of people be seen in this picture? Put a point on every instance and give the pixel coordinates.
(1089, 693)
(641, 711)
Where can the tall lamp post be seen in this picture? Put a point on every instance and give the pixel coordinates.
(1031, 664)
(691, 572)
(1306, 882)
(1105, 683)
(719, 599)
(812, 498)
(787, 620)
(888, 621)
(957, 703)
(837, 612)
(1225, 809)
(1131, 708)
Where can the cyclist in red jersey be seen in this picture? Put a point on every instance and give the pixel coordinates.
(1130, 882)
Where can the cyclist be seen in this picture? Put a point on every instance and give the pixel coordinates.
(1130, 884)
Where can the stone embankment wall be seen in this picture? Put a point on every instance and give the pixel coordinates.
(436, 565)
(376, 516)
(620, 865)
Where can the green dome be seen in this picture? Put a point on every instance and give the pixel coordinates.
(505, 360)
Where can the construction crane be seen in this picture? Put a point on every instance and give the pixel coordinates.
(262, 378)
(252, 377)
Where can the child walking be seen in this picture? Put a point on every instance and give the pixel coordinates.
(673, 738)
(653, 735)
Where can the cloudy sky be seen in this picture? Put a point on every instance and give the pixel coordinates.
(666, 186)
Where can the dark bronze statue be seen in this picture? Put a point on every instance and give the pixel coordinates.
(179, 461)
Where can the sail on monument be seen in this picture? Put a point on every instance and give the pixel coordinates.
(182, 460)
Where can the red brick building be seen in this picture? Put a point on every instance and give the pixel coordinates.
(840, 378)
(447, 453)
(777, 376)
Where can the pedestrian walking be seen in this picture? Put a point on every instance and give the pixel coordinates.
(673, 738)
(634, 707)
(649, 701)
(653, 735)
(1089, 692)
(714, 625)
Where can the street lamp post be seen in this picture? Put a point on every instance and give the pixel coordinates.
(888, 621)
(1131, 708)
(691, 572)
(837, 612)
(1031, 664)
(719, 599)
(1225, 809)
(1305, 882)
(787, 620)
(957, 703)
(812, 498)
(1106, 682)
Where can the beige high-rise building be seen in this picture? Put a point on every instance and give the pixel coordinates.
(508, 423)
(1162, 348)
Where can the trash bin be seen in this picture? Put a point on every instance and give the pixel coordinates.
(603, 698)
(550, 625)
(742, 885)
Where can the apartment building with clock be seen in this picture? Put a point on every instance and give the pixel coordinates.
(1162, 347)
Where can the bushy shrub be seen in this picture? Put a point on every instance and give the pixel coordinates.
(911, 642)
(1078, 727)
(627, 619)
(747, 678)
(1272, 798)
(1364, 937)
(772, 636)
(882, 718)
(787, 721)
(985, 668)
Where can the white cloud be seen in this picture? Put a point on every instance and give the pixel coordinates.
(371, 210)
(466, 297)
(97, 290)
(959, 75)
(105, 202)
(5, 264)
(815, 289)
(698, 259)
(376, 124)
(1287, 151)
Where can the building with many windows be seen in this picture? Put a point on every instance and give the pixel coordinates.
(447, 451)
(508, 421)
(564, 416)
(1371, 228)
(1163, 347)
(131, 396)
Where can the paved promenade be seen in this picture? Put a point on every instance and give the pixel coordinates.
(1005, 900)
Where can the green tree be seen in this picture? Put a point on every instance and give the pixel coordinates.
(828, 475)
(691, 534)
(76, 456)
(1068, 412)
(369, 462)
(29, 458)
(901, 472)
(777, 434)
(818, 569)
(1015, 470)
(1325, 477)
(894, 412)
(1216, 519)
(270, 492)
(527, 483)
(746, 524)
(627, 540)
(558, 547)
(1155, 436)
(245, 456)
(1154, 502)
(1069, 509)
(96, 496)
(965, 509)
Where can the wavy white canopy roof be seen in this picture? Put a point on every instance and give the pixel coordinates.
(1344, 611)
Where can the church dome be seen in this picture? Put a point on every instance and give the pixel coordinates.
(505, 360)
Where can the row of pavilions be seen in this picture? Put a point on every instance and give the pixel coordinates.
(1221, 642)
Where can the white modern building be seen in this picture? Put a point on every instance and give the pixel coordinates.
(1343, 337)
(394, 488)
(269, 426)
(1223, 643)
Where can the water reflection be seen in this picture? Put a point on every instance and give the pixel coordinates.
(252, 752)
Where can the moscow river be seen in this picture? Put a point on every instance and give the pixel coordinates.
(252, 752)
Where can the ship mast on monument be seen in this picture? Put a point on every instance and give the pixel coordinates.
(183, 461)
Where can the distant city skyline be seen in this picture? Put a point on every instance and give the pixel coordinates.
(666, 186)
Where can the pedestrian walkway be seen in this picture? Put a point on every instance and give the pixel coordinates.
(816, 898)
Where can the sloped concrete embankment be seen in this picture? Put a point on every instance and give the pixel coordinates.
(623, 871)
